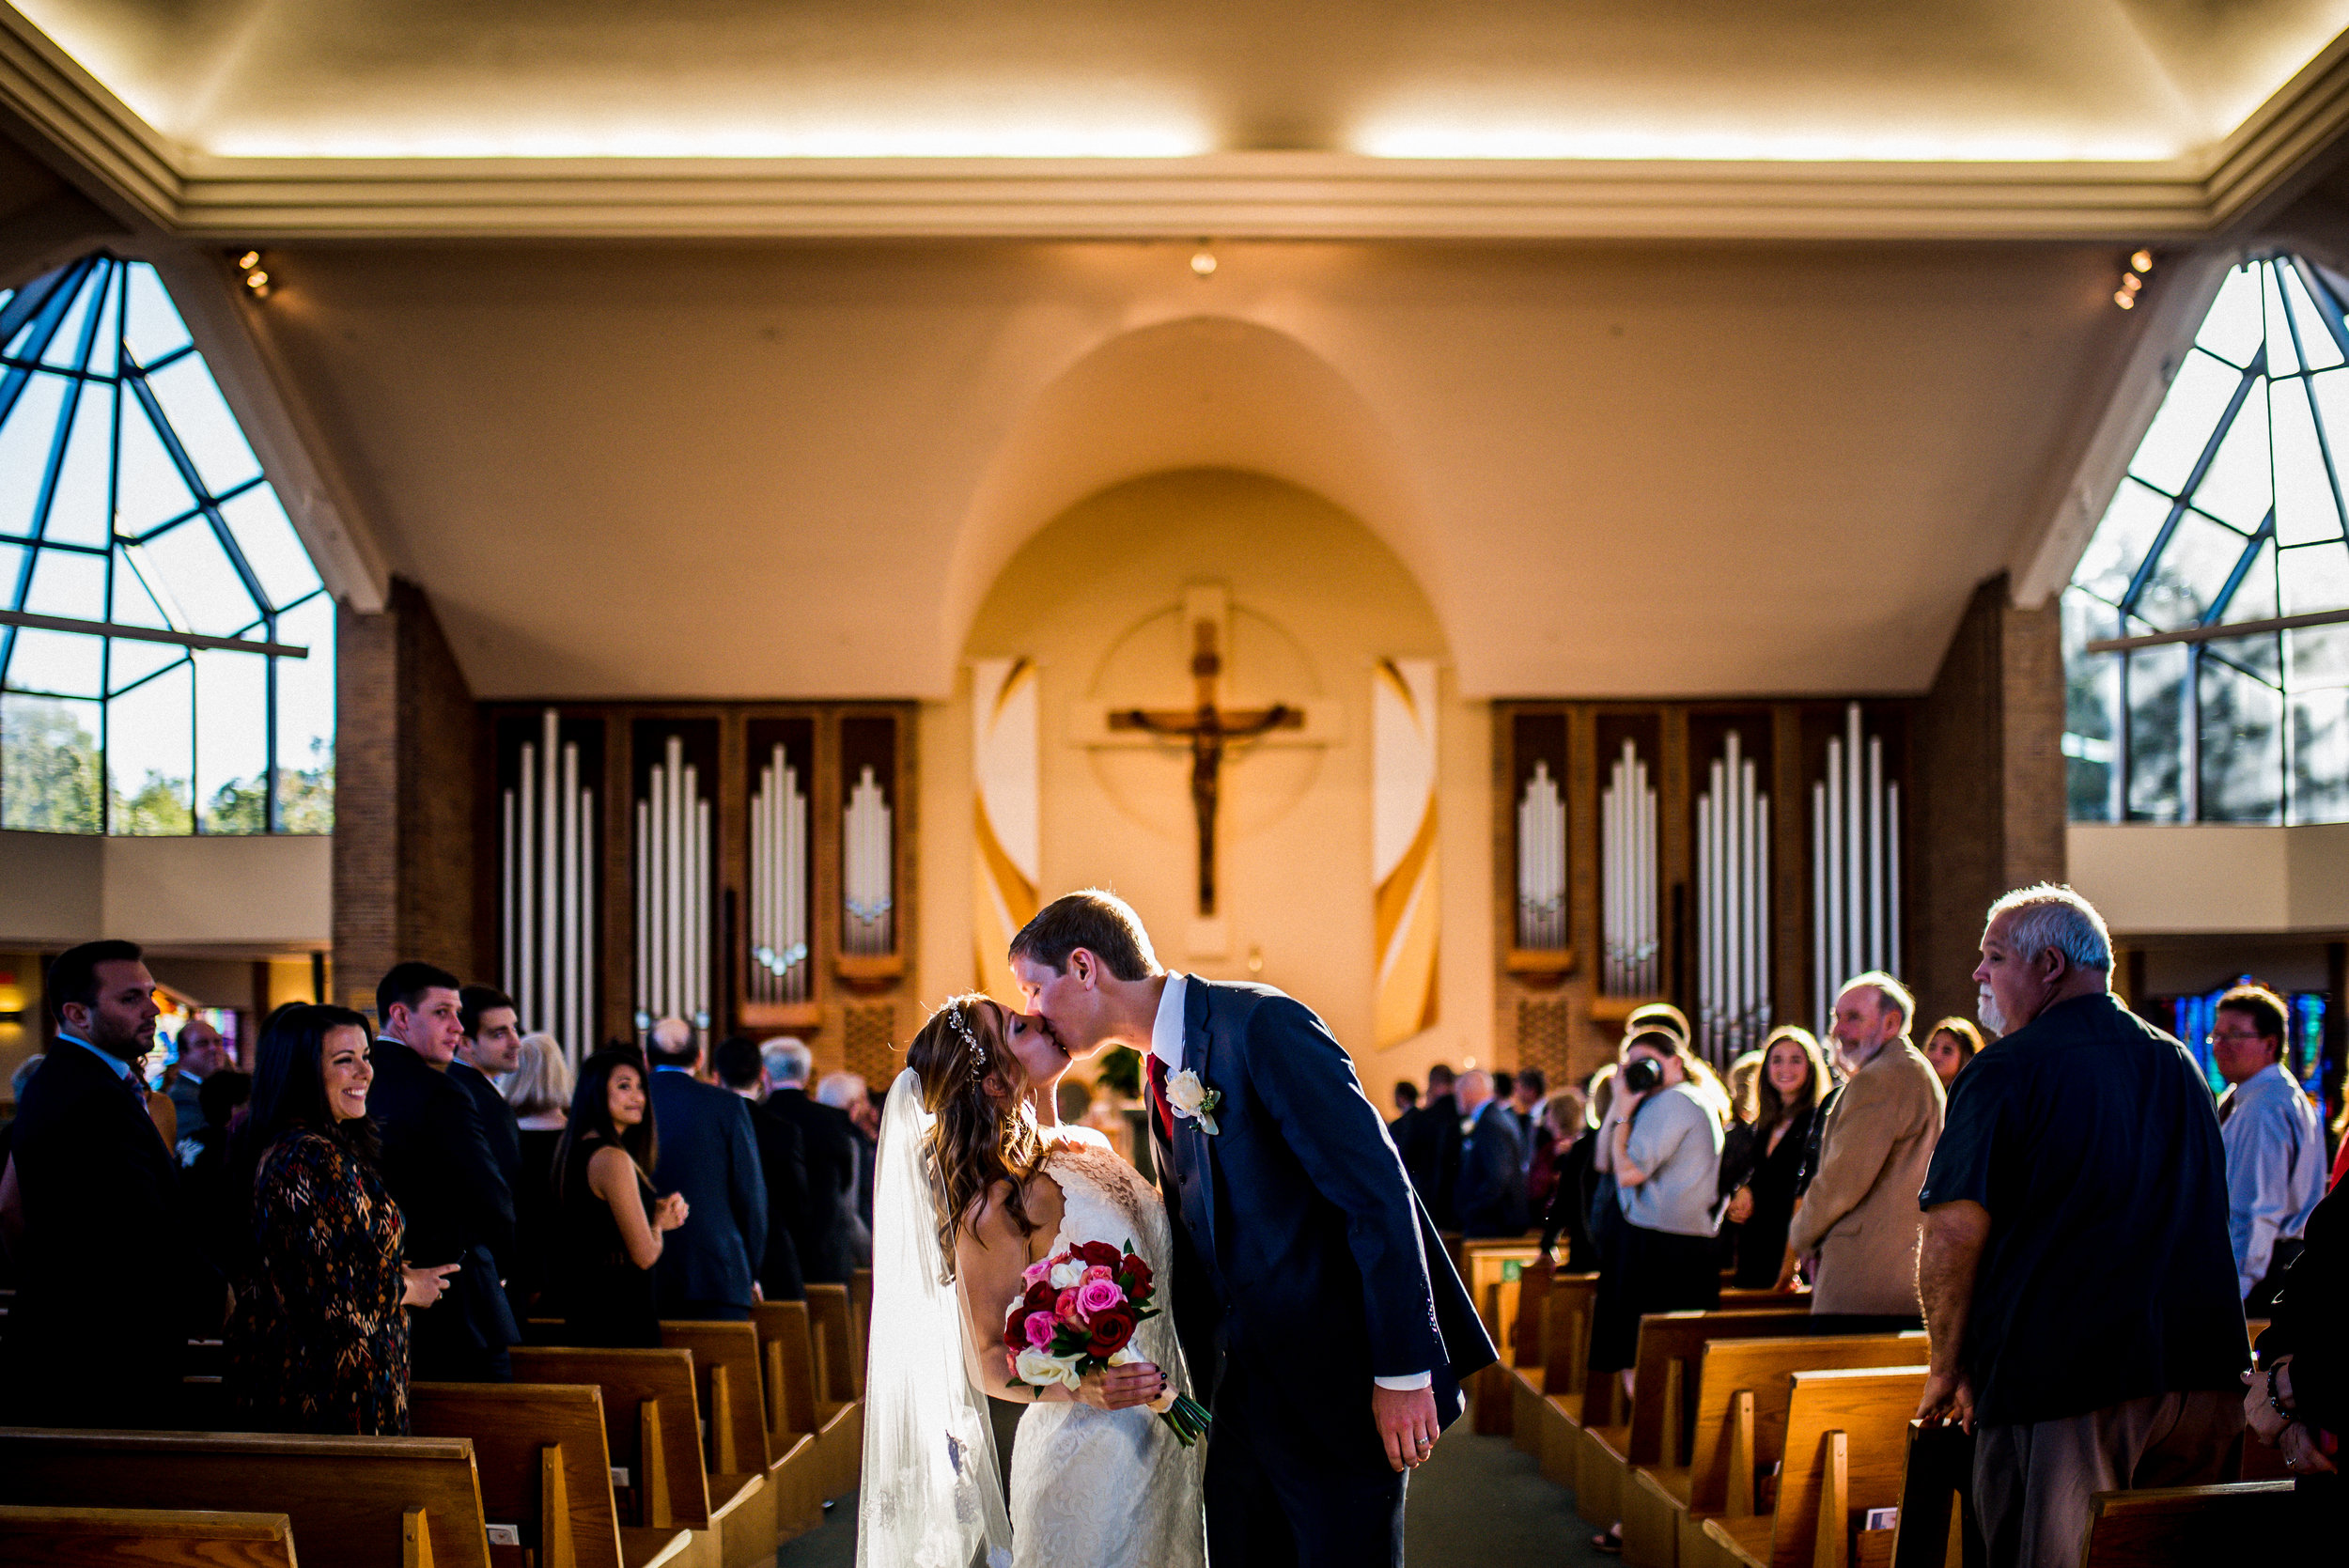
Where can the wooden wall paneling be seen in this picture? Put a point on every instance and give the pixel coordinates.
(1790, 869)
(1675, 854)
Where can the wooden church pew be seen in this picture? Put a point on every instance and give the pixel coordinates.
(101, 1537)
(1525, 1362)
(1847, 1440)
(795, 1458)
(1491, 1265)
(841, 1370)
(544, 1468)
(725, 1359)
(1613, 1440)
(1566, 1371)
(786, 1336)
(364, 1502)
(1735, 1434)
(2172, 1527)
(652, 1426)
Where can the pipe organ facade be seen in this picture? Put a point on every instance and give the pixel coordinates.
(749, 867)
(1679, 851)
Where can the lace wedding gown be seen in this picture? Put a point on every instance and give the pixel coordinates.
(1108, 1488)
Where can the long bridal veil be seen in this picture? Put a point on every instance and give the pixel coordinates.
(933, 1494)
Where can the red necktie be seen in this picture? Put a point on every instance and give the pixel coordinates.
(1157, 1095)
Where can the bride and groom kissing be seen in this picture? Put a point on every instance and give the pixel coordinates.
(1314, 1311)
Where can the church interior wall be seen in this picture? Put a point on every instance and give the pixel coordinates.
(1316, 603)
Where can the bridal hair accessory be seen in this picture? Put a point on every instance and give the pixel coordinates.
(1077, 1314)
(970, 1041)
(1194, 1100)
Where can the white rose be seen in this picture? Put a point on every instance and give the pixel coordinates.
(1186, 1093)
(1125, 1355)
(1067, 1274)
(1036, 1367)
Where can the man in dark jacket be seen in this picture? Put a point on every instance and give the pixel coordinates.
(709, 1267)
(444, 1171)
(491, 1046)
(111, 1284)
(827, 1235)
(781, 1159)
(1432, 1157)
(1491, 1195)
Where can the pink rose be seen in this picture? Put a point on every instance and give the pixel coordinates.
(1035, 1273)
(1041, 1327)
(1096, 1272)
(1099, 1295)
(1067, 1309)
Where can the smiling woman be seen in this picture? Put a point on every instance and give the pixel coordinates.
(141, 548)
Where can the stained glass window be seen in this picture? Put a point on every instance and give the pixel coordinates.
(129, 502)
(2231, 514)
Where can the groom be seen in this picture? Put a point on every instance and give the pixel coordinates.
(1323, 1323)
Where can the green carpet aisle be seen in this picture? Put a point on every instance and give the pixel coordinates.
(1478, 1503)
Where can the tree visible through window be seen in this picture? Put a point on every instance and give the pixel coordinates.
(129, 498)
(2231, 514)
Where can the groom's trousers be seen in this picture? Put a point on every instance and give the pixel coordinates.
(1276, 1498)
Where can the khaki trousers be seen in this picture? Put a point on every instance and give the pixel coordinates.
(2032, 1482)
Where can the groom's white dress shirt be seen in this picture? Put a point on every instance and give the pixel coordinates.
(1166, 1044)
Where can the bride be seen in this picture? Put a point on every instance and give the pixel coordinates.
(970, 1189)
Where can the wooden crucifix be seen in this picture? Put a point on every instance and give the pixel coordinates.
(1208, 729)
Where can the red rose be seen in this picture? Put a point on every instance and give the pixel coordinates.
(1098, 1252)
(1135, 1276)
(1016, 1332)
(1111, 1331)
(1041, 1298)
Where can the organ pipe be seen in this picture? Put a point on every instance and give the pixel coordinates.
(1855, 866)
(546, 893)
(867, 871)
(1733, 907)
(779, 945)
(673, 892)
(1627, 869)
(1542, 864)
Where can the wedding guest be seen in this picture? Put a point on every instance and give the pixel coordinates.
(1792, 1078)
(97, 1332)
(710, 1159)
(1432, 1159)
(782, 1160)
(845, 1093)
(2080, 1290)
(487, 1050)
(445, 1175)
(2275, 1140)
(318, 1340)
(1528, 1089)
(1858, 1227)
(1737, 1149)
(613, 1222)
(202, 1053)
(2298, 1398)
(1954, 1043)
(1562, 1123)
(539, 1092)
(1571, 1202)
(827, 1235)
(218, 1208)
(1491, 1194)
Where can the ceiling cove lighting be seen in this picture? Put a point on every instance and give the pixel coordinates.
(979, 137)
(1470, 137)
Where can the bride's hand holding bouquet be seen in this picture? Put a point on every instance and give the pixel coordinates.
(1073, 1327)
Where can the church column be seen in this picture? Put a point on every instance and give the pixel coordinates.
(405, 790)
(1991, 776)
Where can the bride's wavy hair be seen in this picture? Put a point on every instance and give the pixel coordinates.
(979, 1138)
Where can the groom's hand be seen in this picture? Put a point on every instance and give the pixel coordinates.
(1406, 1424)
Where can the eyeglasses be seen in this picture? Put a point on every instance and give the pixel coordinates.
(2251, 1039)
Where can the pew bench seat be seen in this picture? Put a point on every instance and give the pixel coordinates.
(105, 1537)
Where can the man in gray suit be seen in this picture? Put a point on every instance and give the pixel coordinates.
(1858, 1224)
(708, 1151)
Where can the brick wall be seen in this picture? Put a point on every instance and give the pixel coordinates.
(404, 783)
(1991, 775)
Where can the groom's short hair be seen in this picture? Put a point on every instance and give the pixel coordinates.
(1101, 922)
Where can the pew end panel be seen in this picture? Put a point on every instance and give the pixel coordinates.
(544, 1463)
(2172, 1526)
(652, 1425)
(743, 1495)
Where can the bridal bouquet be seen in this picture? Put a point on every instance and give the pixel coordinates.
(1078, 1315)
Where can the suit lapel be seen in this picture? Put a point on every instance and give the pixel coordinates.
(1195, 1162)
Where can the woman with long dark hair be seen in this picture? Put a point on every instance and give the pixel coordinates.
(318, 1340)
(1787, 1097)
(611, 1232)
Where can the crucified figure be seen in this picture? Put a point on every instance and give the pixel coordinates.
(1210, 729)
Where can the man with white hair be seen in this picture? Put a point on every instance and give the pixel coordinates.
(2078, 1285)
(828, 1229)
(1858, 1224)
(845, 1093)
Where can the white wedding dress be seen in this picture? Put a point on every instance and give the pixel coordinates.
(1108, 1488)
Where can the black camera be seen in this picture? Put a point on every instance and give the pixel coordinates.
(1642, 1074)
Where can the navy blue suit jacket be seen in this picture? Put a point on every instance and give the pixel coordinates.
(1305, 1263)
(708, 1153)
(1491, 1194)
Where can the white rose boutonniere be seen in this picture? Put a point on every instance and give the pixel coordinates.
(1194, 1100)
